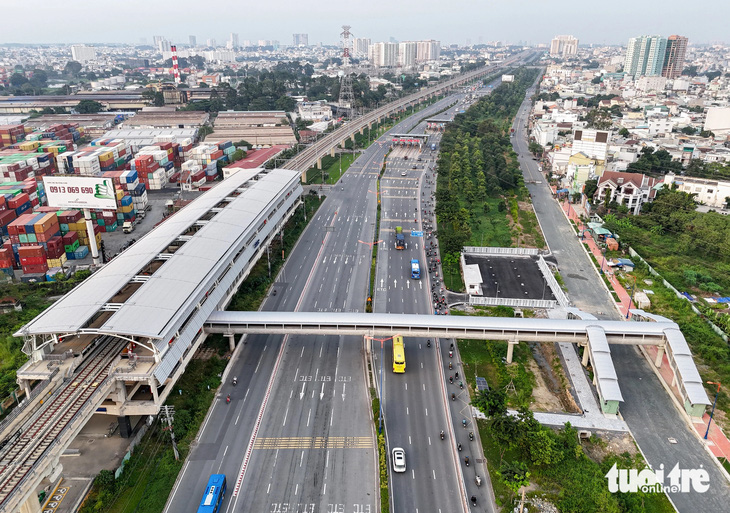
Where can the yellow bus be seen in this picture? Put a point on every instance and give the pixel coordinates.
(399, 355)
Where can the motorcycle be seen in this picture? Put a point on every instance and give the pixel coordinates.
(459, 447)
(478, 481)
(453, 397)
(273, 293)
(463, 424)
(466, 461)
(451, 354)
(235, 381)
(473, 500)
(461, 385)
(450, 366)
(471, 435)
(228, 398)
(428, 343)
(442, 435)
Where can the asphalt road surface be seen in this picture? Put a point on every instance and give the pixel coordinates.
(298, 433)
(647, 408)
(416, 404)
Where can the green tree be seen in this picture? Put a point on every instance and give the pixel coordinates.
(689, 130)
(286, 103)
(624, 132)
(591, 186)
(600, 119)
(491, 402)
(18, 79)
(203, 85)
(159, 100)
(89, 107)
(535, 148)
(72, 68)
(514, 474)
(707, 133)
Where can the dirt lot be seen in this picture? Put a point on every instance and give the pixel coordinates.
(551, 392)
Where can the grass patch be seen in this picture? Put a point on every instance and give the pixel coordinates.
(568, 478)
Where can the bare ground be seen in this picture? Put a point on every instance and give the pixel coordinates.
(552, 390)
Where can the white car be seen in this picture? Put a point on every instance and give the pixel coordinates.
(399, 460)
(404, 173)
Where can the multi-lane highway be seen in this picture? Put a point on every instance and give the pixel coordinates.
(647, 408)
(298, 433)
(417, 404)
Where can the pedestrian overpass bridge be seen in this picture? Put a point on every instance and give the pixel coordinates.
(578, 328)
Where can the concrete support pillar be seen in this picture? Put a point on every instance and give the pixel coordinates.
(510, 349)
(153, 389)
(368, 344)
(25, 383)
(659, 357)
(332, 152)
(352, 138)
(121, 392)
(31, 505)
(586, 355)
(125, 426)
(362, 131)
(231, 342)
(319, 163)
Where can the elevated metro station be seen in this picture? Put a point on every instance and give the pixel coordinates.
(116, 344)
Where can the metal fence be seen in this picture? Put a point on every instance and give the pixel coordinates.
(554, 286)
(500, 251)
(514, 303)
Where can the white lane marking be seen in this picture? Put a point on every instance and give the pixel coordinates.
(302, 354)
(320, 350)
(296, 374)
(285, 414)
(407, 411)
(309, 416)
(424, 387)
(426, 412)
(208, 417)
(324, 489)
(429, 440)
(178, 484)
(327, 462)
(409, 440)
(301, 459)
(268, 489)
(434, 473)
(296, 490)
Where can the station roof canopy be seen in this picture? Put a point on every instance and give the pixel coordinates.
(165, 293)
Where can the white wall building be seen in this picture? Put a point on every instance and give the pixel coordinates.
(314, 111)
(384, 55)
(360, 47)
(563, 46)
(660, 125)
(407, 53)
(428, 50)
(593, 143)
(708, 192)
(718, 119)
(83, 53)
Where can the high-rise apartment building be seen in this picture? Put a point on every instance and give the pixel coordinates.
(192, 41)
(210, 42)
(360, 46)
(563, 46)
(300, 39)
(428, 50)
(163, 45)
(82, 53)
(384, 55)
(645, 56)
(407, 53)
(674, 56)
(232, 43)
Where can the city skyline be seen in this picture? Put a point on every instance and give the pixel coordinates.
(509, 23)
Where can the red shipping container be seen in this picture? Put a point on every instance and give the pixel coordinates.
(35, 269)
(70, 238)
(7, 217)
(18, 200)
(32, 260)
(32, 251)
(3, 205)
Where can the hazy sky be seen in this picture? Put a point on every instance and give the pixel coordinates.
(450, 21)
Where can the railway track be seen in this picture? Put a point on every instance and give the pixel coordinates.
(43, 430)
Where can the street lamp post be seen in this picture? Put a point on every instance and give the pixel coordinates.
(712, 413)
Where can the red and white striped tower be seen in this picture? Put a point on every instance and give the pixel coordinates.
(175, 69)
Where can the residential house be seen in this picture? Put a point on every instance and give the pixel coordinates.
(629, 189)
(708, 192)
